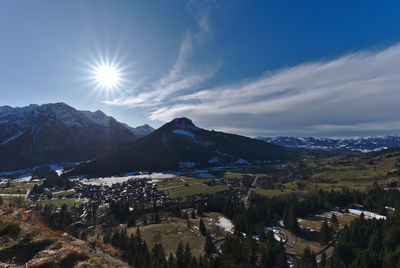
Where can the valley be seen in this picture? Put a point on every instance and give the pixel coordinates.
(167, 206)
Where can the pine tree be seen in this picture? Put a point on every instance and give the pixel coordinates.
(208, 247)
(180, 256)
(334, 220)
(307, 259)
(193, 214)
(171, 261)
(325, 234)
(187, 255)
(293, 225)
(157, 255)
(202, 227)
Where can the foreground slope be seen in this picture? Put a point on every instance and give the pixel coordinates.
(181, 144)
(26, 242)
(34, 135)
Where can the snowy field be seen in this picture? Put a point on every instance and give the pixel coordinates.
(154, 177)
(225, 224)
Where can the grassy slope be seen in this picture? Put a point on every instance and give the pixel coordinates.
(35, 245)
(173, 230)
(345, 171)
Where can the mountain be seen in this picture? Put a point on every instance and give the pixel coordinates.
(140, 131)
(363, 144)
(180, 144)
(34, 135)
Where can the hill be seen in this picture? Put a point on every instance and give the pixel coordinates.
(180, 144)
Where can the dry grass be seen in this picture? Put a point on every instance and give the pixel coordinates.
(301, 244)
(40, 246)
(315, 225)
(173, 230)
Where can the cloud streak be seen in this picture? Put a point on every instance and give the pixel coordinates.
(181, 76)
(359, 92)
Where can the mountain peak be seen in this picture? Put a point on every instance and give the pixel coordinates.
(183, 123)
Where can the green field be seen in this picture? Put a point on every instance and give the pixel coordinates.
(349, 171)
(183, 186)
(350, 175)
(233, 175)
(16, 188)
(64, 193)
(59, 202)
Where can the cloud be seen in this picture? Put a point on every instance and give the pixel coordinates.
(181, 76)
(359, 92)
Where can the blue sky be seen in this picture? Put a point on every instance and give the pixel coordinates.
(258, 68)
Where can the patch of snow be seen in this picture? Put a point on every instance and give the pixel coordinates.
(367, 214)
(13, 137)
(154, 177)
(184, 132)
(226, 224)
(242, 161)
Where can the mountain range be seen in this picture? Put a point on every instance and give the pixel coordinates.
(41, 134)
(180, 144)
(362, 144)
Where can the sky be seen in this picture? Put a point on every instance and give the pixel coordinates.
(256, 68)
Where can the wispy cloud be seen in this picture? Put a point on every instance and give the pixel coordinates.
(182, 76)
(358, 92)
(355, 92)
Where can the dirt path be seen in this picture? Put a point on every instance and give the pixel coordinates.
(98, 253)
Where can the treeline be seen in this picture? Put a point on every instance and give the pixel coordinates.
(57, 219)
(236, 252)
(369, 243)
(264, 211)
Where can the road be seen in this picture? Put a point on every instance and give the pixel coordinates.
(329, 248)
(289, 239)
(247, 197)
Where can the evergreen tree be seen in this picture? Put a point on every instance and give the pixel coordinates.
(187, 255)
(334, 220)
(208, 247)
(157, 255)
(292, 223)
(202, 227)
(307, 259)
(325, 234)
(180, 256)
(193, 214)
(171, 261)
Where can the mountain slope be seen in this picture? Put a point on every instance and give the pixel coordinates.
(140, 131)
(364, 144)
(36, 134)
(180, 144)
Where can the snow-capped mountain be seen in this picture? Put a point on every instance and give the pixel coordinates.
(362, 144)
(34, 134)
(180, 144)
(140, 131)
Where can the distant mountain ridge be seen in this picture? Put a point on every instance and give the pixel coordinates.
(140, 131)
(180, 144)
(362, 144)
(38, 134)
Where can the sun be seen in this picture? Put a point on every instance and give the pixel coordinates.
(107, 76)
